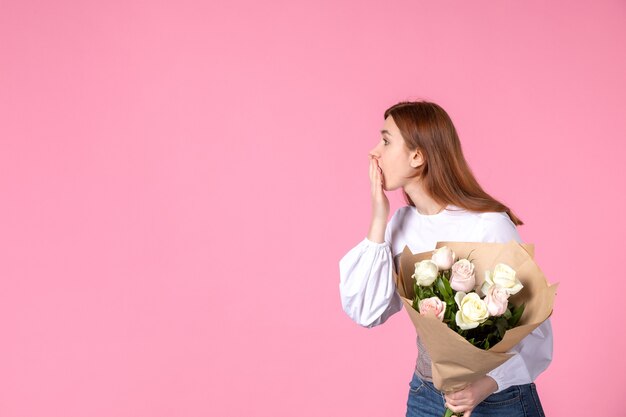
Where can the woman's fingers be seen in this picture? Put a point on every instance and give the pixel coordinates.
(375, 177)
(378, 172)
(456, 402)
(380, 203)
(460, 403)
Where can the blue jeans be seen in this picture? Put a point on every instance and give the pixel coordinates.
(516, 401)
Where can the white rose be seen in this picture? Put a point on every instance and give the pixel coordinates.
(472, 310)
(504, 277)
(462, 277)
(443, 257)
(425, 273)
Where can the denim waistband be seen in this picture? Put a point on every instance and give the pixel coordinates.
(430, 384)
(427, 383)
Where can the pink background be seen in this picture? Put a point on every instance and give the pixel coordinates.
(179, 180)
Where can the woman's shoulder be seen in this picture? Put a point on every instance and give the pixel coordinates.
(498, 227)
(495, 216)
(490, 226)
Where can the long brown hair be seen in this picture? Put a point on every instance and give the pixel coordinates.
(445, 173)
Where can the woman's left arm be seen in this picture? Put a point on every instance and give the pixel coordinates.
(533, 354)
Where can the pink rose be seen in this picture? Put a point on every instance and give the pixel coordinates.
(432, 305)
(443, 258)
(463, 278)
(497, 300)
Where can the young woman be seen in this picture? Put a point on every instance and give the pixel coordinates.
(420, 152)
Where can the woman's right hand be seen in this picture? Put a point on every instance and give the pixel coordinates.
(380, 202)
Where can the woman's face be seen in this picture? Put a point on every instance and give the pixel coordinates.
(396, 161)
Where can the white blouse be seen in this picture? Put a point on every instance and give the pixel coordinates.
(368, 292)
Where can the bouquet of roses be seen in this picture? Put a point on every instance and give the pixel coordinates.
(446, 288)
(469, 313)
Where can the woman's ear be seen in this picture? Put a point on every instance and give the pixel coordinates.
(417, 159)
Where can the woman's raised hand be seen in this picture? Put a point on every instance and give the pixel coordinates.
(380, 202)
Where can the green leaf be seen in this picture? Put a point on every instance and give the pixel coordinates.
(447, 296)
(449, 413)
(446, 283)
(501, 325)
(418, 292)
(517, 314)
(450, 317)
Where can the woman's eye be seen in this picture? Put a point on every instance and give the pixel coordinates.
(385, 141)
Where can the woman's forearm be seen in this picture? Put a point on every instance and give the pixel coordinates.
(377, 230)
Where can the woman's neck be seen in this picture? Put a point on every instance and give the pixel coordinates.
(424, 203)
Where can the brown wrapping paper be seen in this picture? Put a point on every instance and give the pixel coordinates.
(456, 362)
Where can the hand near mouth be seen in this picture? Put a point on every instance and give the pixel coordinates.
(380, 202)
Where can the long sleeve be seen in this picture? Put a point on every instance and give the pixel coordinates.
(533, 354)
(531, 357)
(368, 292)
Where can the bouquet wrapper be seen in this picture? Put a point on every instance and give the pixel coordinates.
(456, 362)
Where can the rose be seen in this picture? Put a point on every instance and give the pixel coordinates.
(472, 310)
(425, 273)
(432, 305)
(504, 277)
(443, 257)
(497, 300)
(463, 278)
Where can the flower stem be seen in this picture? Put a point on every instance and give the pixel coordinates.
(450, 413)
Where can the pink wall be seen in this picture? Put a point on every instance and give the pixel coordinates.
(180, 179)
